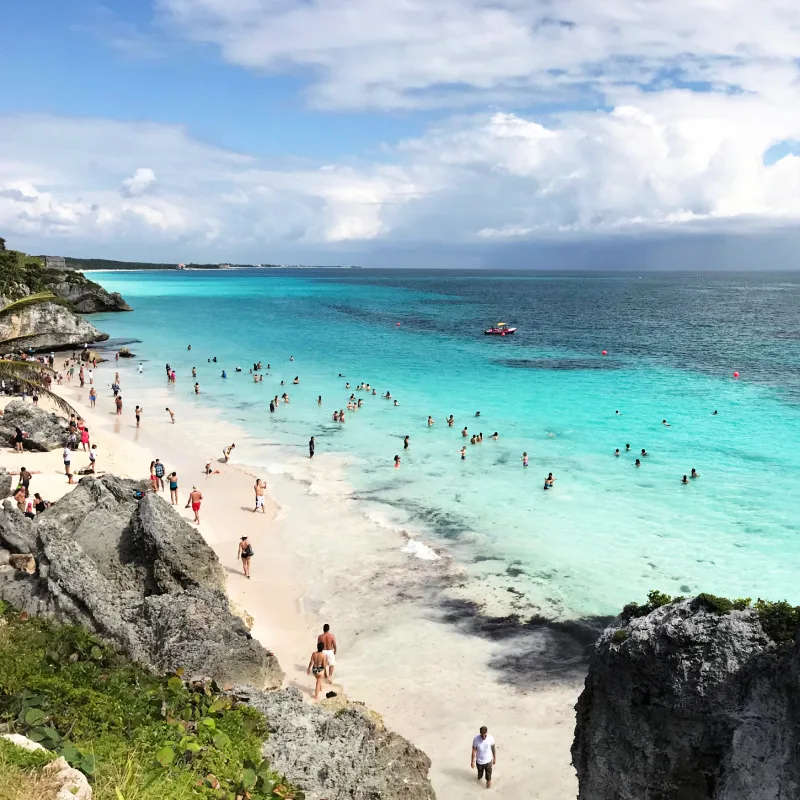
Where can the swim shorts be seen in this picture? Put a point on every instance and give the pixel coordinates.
(195, 506)
(331, 656)
(259, 501)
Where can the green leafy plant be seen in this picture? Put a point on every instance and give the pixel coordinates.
(137, 735)
(620, 636)
(779, 620)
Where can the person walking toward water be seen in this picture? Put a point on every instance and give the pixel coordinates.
(245, 553)
(173, 488)
(195, 498)
(484, 755)
(259, 490)
(311, 447)
(319, 666)
(328, 641)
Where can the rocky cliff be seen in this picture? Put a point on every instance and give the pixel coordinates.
(695, 700)
(45, 430)
(139, 575)
(84, 295)
(48, 326)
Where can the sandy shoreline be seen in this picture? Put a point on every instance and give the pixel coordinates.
(431, 683)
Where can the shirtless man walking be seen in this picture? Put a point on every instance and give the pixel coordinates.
(328, 642)
(194, 500)
(259, 490)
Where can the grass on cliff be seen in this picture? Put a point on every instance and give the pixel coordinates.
(138, 736)
(780, 620)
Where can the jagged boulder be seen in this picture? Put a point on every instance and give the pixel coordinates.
(139, 575)
(687, 703)
(48, 326)
(46, 431)
(347, 754)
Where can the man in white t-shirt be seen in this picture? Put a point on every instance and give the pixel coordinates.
(483, 753)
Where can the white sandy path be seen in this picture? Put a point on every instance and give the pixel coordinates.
(431, 683)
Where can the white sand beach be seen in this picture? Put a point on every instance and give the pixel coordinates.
(432, 681)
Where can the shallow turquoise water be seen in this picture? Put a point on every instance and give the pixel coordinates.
(608, 532)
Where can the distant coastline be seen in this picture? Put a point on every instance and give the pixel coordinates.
(110, 265)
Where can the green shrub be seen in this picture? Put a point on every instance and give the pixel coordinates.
(779, 620)
(620, 636)
(655, 599)
(137, 735)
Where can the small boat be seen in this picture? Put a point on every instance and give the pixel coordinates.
(501, 329)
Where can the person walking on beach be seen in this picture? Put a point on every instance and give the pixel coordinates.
(328, 642)
(171, 414)
(118, 403)
(173, 488)
(319, 666)
(92, 397)
(195, 498)
(311, 447)
(484, 755)
(138, 411)
(259, 490)
(67, 455)
(245, 553)
(93, 459)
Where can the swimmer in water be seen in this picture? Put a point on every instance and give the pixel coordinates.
(546, 484)
(463, 452)
(464, 432)
(430, 421)
(524, 459)
(684, 479)
(550, 479)
(397, 462)
(715, 413)
(645, 454)
(335, 416)
(405, 443)
(477, 413)
(395, 402)
(694, 474)
(665, 423)
(473, 439)
(450, 421)
(387, 396)
(495, 435)
(638, 463)
(319, 400)
(617, 411)
(627, 448)
(616, 452)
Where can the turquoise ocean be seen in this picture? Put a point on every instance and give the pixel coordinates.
(608, 532)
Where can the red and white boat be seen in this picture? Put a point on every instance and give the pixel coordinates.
(501, 329)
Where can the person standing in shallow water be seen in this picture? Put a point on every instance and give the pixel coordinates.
(484, 755)
(311, 447)
(245, 552)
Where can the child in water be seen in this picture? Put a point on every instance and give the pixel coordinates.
(524, 459)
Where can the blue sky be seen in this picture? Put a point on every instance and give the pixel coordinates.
(295, 130)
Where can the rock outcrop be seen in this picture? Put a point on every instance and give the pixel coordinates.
(346, 754)
(48, 326)
(690, 704)
(86, 296)
(46, 431)
(137, 574)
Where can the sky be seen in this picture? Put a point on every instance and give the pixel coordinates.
(403, 132)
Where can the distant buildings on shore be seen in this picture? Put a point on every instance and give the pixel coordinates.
(69, 264)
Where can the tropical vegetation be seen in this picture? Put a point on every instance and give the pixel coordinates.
(135, 734)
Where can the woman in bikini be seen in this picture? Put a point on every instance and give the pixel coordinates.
(319, 666)
(245, 553)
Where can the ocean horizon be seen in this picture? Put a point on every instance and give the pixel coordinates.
(608, 531)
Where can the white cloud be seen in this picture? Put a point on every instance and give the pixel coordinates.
(429, 53)
(142, 180)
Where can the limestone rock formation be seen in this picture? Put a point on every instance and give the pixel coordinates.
(349, 754)
(48, 326)
(69, 783)
(139, 575)
(690, 704)
(86, 296)
(46, 431)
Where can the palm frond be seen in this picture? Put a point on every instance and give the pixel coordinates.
(31, 300)
(59, 402)
(19, 370)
